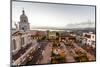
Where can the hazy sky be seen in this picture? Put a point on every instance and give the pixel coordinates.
(52, 15)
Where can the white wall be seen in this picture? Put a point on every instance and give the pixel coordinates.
(5, 33)
(18, 41)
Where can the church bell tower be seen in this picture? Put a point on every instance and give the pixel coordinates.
(24, 24)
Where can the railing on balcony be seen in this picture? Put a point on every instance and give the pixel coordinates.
(21, 51)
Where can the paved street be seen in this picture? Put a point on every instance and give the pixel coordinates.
(69, 57)
(38, 53)
(46, 54)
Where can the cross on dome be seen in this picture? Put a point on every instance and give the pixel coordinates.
(23, 11)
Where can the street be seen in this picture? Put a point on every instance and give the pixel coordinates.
(38, 53)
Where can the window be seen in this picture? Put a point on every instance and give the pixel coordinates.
(92, 36)
(88, 36)
(24, 20)
(89, 40)
(93, 42)
(22, 41)
(14, 44)
(22, 28)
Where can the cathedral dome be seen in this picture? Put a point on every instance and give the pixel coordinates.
(23, 17)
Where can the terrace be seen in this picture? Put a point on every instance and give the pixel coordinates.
(21, 52)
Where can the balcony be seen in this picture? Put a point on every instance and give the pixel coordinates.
(21, 52)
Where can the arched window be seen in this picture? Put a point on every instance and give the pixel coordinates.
(22, 41)
(24, 20)
(14, 44)
(22, 28)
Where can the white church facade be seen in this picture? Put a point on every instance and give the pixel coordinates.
(22, 42)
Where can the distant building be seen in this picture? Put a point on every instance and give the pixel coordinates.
(51, 34)
(89, 39)
(67, 36)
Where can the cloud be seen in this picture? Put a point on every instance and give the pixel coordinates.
(81, 25)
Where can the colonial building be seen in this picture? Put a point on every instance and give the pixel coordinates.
(51, 35)
(89, 39)
(22, 42)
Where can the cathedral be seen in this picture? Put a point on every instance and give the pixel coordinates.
(21, 41)
(24, 42)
